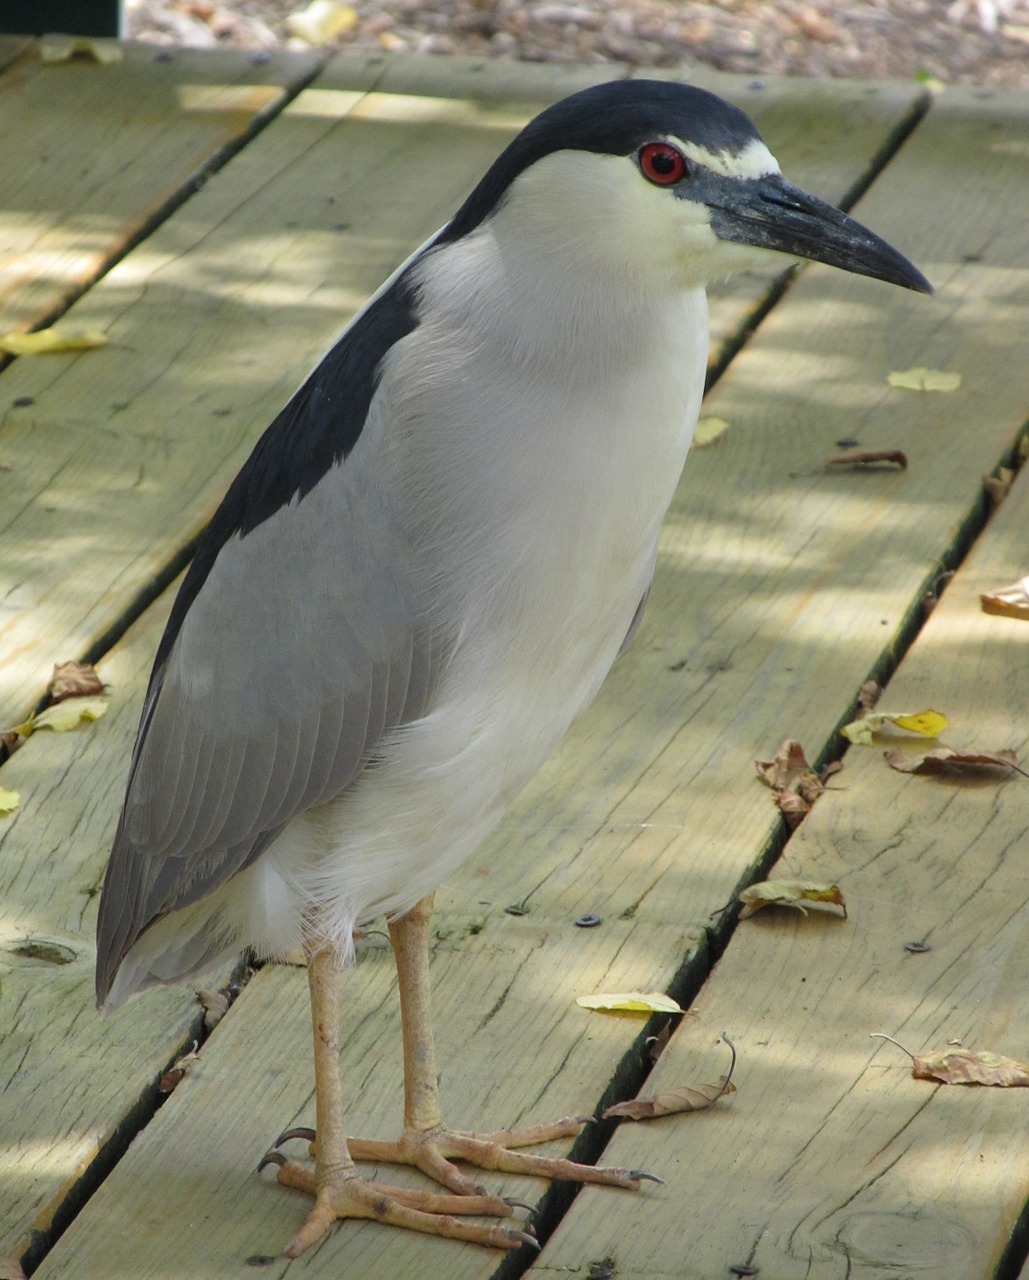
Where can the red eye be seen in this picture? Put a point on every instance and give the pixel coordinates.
(662, 163)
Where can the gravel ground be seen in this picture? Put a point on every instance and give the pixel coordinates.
(983, 42)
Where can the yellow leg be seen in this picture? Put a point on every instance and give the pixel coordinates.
(338, 1189)
(425, 1142)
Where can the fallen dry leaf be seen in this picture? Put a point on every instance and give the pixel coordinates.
(62, 48)
(868, 695)
(789, 893)
(321, 21)
(796, 785)
(959, 1065)
(631, 1002)
(707, 431)
(997, 486)
(178, 1069)
(9, 801)
(696, 1097)
(921, 379)
(73, 680)
(928, 724)
(1009, 602)
(944, 760)
(793, 807)
(788, 759)
(215, 1005)
(656, 1045)
(62, 716)
(867, 458)
(11, 1268)
(51, 341)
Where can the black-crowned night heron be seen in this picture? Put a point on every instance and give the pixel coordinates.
(423, 574)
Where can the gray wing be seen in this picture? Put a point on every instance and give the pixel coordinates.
(300, 649)
(296, 641)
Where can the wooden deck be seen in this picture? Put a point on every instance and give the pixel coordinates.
(220, 219)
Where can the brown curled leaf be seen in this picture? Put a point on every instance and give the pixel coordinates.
(1008, 602)
(861, 458)
(177, 1070)
(959, 1065)
(942, 761)
(696, 1097)
(793, 807)
(788, 759)
(998, 486)
(868, 695)
(73, 680)
(689, 1098)
(794, 781)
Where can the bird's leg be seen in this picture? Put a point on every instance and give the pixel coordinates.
(425, 1142)
(338, 1189)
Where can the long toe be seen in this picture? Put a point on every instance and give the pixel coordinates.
(422, 1211)
(501, 1151)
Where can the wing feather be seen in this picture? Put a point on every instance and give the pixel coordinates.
(297, 641)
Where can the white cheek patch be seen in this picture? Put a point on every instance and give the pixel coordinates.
(754, 161)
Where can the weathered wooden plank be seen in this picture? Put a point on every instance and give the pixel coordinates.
(123, 453)
(92, 153)
(68, 1079)
(832, 1159)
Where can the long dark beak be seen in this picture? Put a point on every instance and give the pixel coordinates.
(774, 214)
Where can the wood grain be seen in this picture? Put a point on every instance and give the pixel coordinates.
(92, 153)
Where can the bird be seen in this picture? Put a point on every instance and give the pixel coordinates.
(421, 577)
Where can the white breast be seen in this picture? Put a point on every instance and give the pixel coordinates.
(535, 454)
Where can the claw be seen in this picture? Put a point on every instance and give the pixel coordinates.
(526, 1239)
(519, 1204)
(641, 1175)
(271, 1157)
(301, 1131)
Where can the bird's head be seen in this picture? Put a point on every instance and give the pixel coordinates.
(664, 181)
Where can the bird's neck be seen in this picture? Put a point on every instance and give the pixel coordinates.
(542, 305)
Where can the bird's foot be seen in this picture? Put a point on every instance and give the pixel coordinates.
(349, 1196)
(433, 1151)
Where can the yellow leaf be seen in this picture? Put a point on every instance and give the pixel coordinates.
(860, 731)
(929, 724)
(321, 21)
(631, 1002)
(789, 893)
(62, 48)
(708, 431)
(63, 716)
(921, 379)
(51, 341)
(9, 801)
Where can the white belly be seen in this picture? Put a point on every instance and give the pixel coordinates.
(543, 547)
